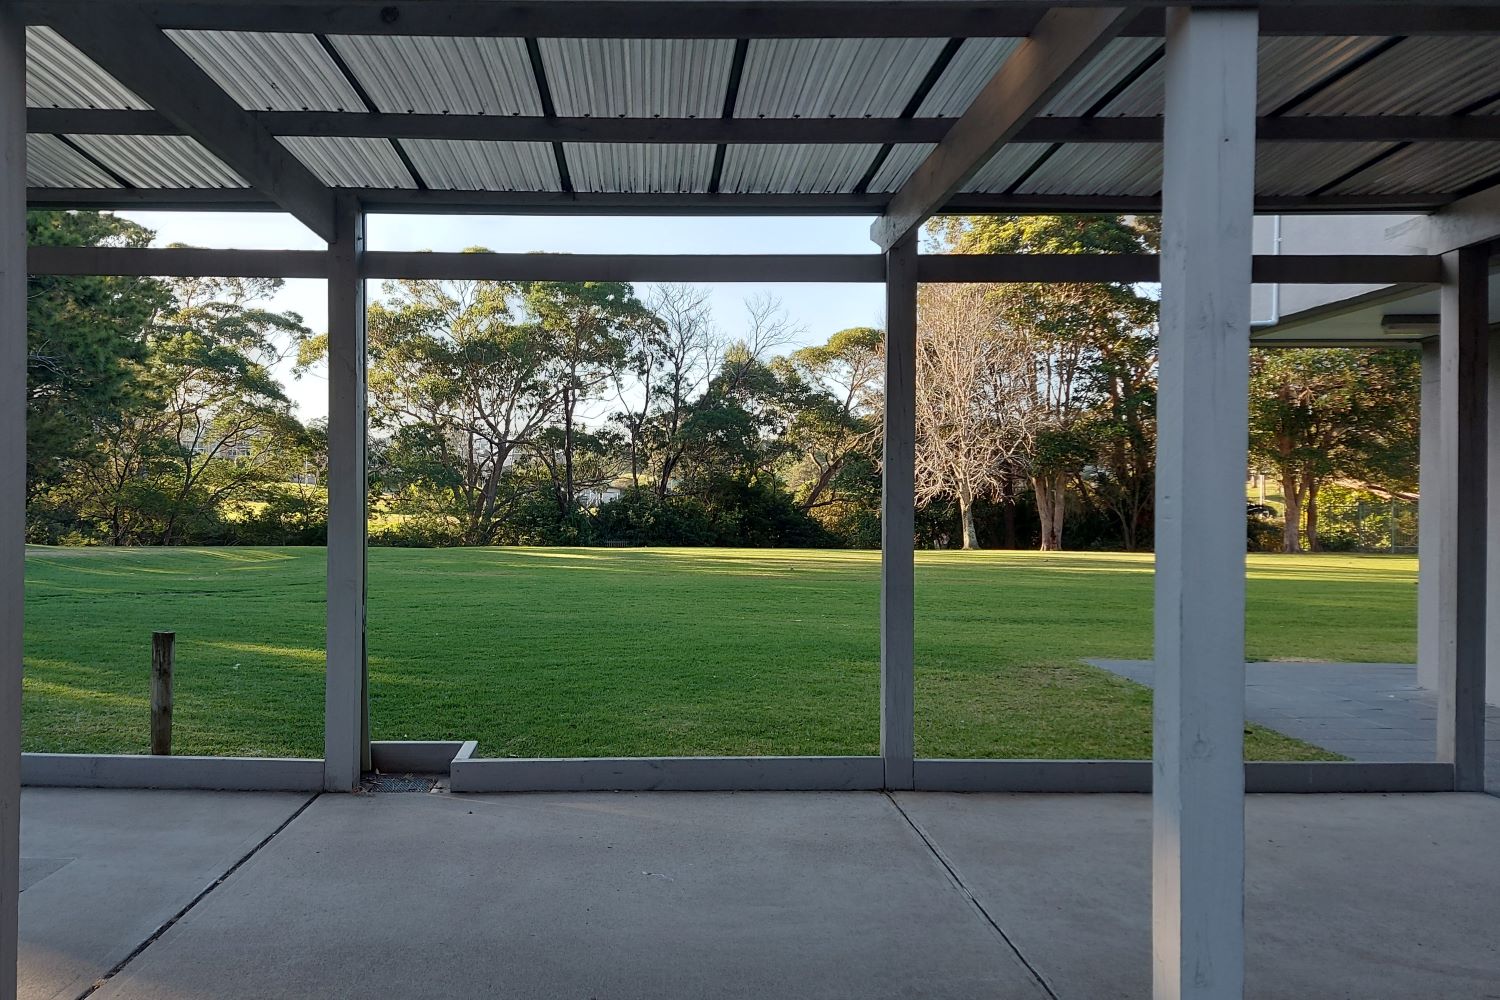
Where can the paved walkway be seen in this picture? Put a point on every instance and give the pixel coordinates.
(1364, 711)
(707, 895)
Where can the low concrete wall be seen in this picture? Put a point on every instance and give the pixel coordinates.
(245, 774)
(684, 774)
(417, 756)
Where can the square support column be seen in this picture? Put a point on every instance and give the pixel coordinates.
(1198, 810)
(1429, 517)
(346, 738)
(1492, 538)
(897, 514)
(1463, 508)
(12, 471)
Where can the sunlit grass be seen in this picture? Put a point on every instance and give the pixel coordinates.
(578, 652)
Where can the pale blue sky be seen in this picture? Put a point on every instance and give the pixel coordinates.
(820, 309)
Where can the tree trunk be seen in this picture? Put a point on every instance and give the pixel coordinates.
(966, 521)
(1311, 516)
(1291, 493)
(1050, 494)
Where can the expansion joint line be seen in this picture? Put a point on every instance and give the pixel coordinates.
(156, 934)
(959, 884)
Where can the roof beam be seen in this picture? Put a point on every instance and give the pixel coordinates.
(762, 18)
(177, 262)
(134, 51)
(530, 128)
(1065, 41)
(406, 200)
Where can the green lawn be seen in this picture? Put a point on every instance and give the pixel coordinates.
(579, 652)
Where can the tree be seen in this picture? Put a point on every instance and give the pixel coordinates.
(1094, 356)
(85, 342)
(974, 383)
(1320, 413)
(836, 417)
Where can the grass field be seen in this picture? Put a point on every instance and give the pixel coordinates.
(578, 652)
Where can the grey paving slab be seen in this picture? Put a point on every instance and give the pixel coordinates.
(1374, 897)
(101, 870)
(585, 895)
(1364, 711)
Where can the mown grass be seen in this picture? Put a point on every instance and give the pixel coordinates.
(580, 652)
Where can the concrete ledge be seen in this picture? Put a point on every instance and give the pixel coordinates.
(417, 756)
(1135, 776)
(684, 774)
(950, 775)
(1348, 776)
(243, 774)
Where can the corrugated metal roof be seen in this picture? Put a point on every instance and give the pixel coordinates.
(1419, 76)
(349, 161)
(800, 169)
(426, 75)
(637, 78)
(1300, 168)
(266, 71)
(833, 77)
(59, 76)
(904, 158)
(1005, 167)
(469, 165)
(1124, 168)
(975, 62)
(160, 161)
(1288, 66)
(50, 162)
(1427, 167)
(1115, 63)
(646, 167)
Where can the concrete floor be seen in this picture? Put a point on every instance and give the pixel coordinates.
(731, 895)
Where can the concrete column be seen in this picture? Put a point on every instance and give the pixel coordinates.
(1492, 582)
(1464, 424)
(1429, 516)
(1198, 831)
(12, 470)
(346, 743)
(897, 503)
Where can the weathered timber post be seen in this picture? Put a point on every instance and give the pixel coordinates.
(163, 645)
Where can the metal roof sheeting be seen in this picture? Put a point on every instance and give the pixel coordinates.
(904, 158)
(1005, 167)
(637, 78)
(50, 162)
(655, 168)
(427, 75)
(1426, 167)
(1288, 66)
(1300, 168)
(350, 162)
(1419, 76)
(471, 165)
(266, 71)
(160, 161)
(833, 77)
(1117, 168)
(1111, 67)
(59, 76)
(800, 169)
(975, 62)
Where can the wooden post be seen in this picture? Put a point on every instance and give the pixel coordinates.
(163, 646)
(897, 514)
(1198, 771)
(1429, 516)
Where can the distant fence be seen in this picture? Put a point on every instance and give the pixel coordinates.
(1352, 521)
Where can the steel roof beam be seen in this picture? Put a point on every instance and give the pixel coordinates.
(136, 53)
(1064, 42)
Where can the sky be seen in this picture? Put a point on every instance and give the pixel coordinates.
(819, 309)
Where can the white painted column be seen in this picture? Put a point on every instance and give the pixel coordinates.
(897, 506)
(346, 744)
(1198, 829)
(1492, 540)
(1429, 517)
(12, 471)
(1464, 424)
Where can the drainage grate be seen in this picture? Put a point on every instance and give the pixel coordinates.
(399, 782)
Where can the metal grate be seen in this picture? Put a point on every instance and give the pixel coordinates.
(399, 782)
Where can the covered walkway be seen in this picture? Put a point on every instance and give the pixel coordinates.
(649, 895)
